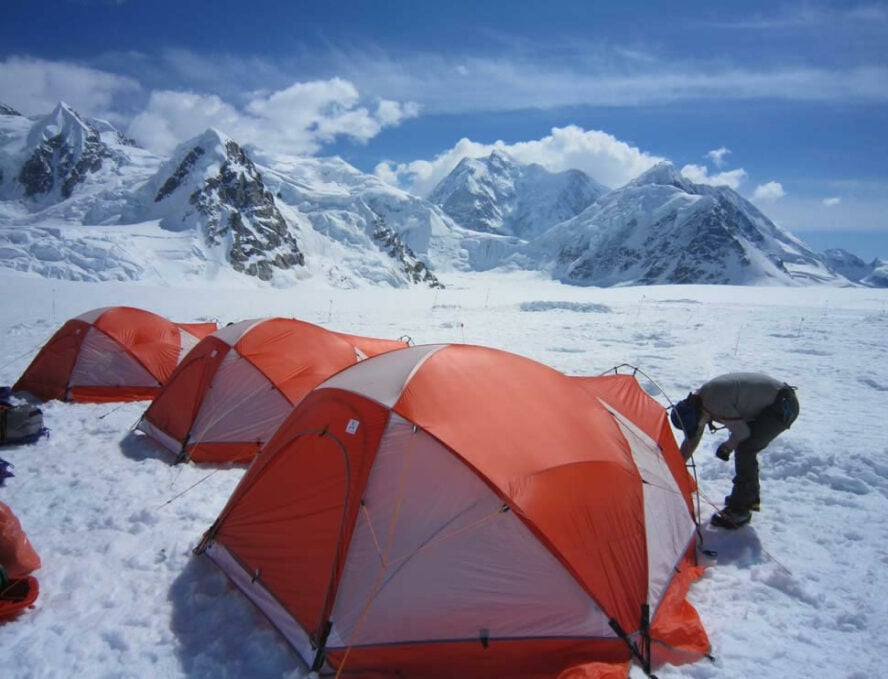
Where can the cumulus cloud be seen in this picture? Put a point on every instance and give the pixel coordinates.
(35, 86)
(600, 155)
(297, 119)
(300, 118)
(832, 202)
(717, 156)
(172, 117)
(768, 192)
(700, 175)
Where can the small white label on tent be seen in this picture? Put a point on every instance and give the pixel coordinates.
(352, 426)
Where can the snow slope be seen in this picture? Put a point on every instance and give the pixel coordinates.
(796, 594)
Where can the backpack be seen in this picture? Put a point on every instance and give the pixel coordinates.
(20, 424)
(786, 406)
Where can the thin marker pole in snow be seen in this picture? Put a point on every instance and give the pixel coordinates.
(799, 333)
(737, 345)
(640, 303)
(193, 485)
(115, 409)
(330, 312)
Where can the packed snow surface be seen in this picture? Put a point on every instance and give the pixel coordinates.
(798, 593)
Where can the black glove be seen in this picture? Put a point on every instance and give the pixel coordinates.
(723, 452)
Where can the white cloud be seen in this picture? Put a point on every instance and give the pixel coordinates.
(769, 192)
(831, 202)
(457, 83)
(35, 86)
(717, 156)
(298, 119)
(172, 117)
(700, 175)
(602, 156)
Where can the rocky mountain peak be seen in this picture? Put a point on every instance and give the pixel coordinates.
(499, 195)
(63, 150)
(213, 183)
(8, 110)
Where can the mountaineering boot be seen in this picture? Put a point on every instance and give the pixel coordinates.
(730, 518)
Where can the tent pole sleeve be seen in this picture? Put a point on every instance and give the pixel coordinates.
(633, 648)
(645, 629)
(322, 648)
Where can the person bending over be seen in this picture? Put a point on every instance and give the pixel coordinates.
(755, 408)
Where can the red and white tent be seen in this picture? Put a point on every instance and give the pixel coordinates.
(459, 511)
(110, 354)
(232, 390)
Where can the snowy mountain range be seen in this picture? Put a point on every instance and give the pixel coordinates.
(81, 201)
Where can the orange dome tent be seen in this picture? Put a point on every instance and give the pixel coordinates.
(236, 386)
(459, 511)
(110, 354)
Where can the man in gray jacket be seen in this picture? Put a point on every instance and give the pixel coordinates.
(755, 408)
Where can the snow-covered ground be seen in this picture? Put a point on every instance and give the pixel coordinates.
(798, 593)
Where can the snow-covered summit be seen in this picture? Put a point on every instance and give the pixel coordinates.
(663, 173)
(211, 185)
(498, 195)
(852, 267)
(661, 228)
(62, 150)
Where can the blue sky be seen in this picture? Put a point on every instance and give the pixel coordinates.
(785, 101)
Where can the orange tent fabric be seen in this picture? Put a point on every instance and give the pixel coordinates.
(450, 510)
(232, 390)
(17, 555)
(109, 354)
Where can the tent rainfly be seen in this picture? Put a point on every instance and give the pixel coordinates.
(110, 354)
(230, 393)
(459, 511)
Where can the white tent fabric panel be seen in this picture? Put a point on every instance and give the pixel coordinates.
(230, 334)
(266, 603)
(160, 436)
(241, 404)
(428, 564)
(664, 507)
(103, 362)
(187, 342)
(383, 378)
(93, 315)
